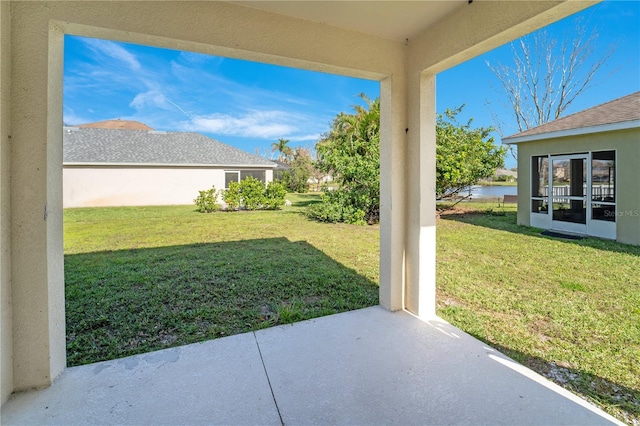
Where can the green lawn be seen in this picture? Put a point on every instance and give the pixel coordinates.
(567, 309)
(140, 279)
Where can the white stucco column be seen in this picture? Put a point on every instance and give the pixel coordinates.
(421, 213)
(6, 306)
(469, 31)
(393, 101)
(39, 352)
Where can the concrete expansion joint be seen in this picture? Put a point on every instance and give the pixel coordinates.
(266, 373)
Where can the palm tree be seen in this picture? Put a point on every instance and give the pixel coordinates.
(284, 150)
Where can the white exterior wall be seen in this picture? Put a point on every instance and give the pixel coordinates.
(139, 186)
(33, 340)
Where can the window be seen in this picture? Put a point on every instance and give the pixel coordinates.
(256, 174)
(237, 176)
(603, 186)
(230, 177)
(539, 184)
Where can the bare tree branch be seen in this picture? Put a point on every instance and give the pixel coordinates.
(548, 74)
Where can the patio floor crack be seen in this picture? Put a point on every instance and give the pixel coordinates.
(266, 373)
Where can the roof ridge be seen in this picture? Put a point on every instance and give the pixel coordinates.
(593, 107)
(615, 111)
(100, 145)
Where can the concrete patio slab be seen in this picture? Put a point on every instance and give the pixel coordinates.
(216, 382)
(369, 366)
(375, 367)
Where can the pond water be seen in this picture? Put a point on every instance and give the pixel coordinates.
(478, 191)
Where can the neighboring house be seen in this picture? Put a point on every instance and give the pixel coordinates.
(580, 174)
(281, 167)
(117, 124)
(112, 167)
(505, 175)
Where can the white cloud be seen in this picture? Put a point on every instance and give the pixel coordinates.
(302, 138)
(213, 84)
(113, 50)
(254, 124)
(150, 99)
(155, 99)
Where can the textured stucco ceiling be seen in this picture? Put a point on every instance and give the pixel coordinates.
(395, 20)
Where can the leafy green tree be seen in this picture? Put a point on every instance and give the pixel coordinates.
(284, 150)
(350, 152)
(464, 155)
(297, 177)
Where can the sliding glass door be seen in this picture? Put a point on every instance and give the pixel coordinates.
(569, 183)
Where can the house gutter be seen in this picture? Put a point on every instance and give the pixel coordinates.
(93, 164)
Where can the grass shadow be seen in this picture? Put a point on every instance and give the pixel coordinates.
(507, 221)
(126, 302)
(306, 199)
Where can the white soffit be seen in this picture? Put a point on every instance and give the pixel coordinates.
(394, 20)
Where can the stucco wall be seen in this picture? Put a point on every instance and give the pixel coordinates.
(6, 348)
(139, 186)
(626, 144)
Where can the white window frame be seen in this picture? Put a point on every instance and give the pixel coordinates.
(539, 219)
(225, 177)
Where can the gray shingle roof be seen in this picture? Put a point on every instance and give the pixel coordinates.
(113, 146)
(621, 110)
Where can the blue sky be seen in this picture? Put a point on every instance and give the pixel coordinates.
(251, 105)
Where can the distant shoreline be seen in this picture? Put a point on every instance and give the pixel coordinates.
(487, 183)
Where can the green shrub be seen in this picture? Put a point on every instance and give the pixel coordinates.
(207, 200)
(333, 208)
(354, 216)
(274, 195)
(231, 196)
(252, 193)
(325, 212)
